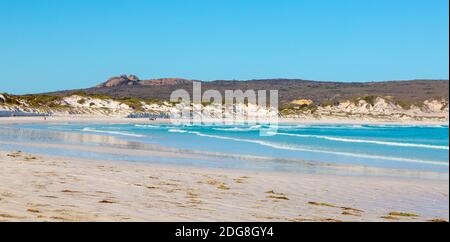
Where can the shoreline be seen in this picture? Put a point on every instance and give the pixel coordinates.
(196, 158)
(123, 120)
(320, 168)
(51, 188)
(38, 187)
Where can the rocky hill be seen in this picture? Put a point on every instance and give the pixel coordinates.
(405, 93)
(132, 80)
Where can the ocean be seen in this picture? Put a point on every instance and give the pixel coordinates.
(411, 148)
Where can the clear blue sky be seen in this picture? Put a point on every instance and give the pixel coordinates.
(63, 44)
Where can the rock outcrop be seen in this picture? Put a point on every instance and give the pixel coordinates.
(132, 80)
(122, 80)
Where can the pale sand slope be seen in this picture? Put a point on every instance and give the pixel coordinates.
(36, 188)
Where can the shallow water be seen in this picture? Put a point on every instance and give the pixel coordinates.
(408, 148)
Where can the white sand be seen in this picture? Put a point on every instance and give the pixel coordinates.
(38, 188)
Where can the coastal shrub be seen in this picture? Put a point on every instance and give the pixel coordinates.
(328, 103)
(408, 104)
(291, 109)
(87, 95)
(130, 101)
(134, 103)
(368, 99)
(81, 101)
(38, 101)
(313, 109)
(2, 97)
(11, 101)
(404, 105)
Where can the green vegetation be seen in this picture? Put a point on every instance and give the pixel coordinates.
(408, 105)
(41, 101)
(326, 103)
(52, 102)
(134, 103)
(81, 101)
(88, 95)
(204, 104)
(404, 105)
(292, 109)
(10, 100)
(368, 99)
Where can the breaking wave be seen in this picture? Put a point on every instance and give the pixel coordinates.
(386, 143)
(298, 148)
(112, 132)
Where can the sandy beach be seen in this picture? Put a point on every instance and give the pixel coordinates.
(44, 188)
(51, 188)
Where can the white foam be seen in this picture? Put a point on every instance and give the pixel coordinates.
(112, 132)
(406, 126)
(386, 143)
(237, 129)
(147, 126)
(293, 126)
(177, 131)
(297, 148)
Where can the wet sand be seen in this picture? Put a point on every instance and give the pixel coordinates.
(45, 188)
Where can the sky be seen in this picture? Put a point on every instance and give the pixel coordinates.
(49, 45)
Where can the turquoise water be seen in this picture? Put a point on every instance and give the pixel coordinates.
(419, 148)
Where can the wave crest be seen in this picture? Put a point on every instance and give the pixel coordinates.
(112, 132)
(297, 148)
(386, 143)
